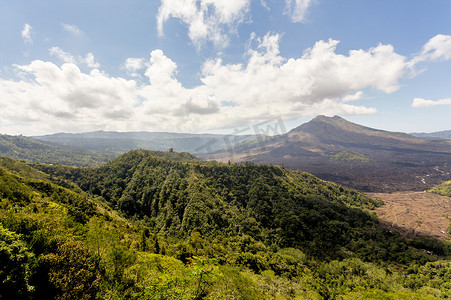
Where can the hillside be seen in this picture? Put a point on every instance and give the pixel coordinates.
(413, 213)
(25, 148)
(355, 156)
(185, 229)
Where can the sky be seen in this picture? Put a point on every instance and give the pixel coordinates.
(222, 66)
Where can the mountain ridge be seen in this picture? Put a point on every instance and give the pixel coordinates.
(391, 161)
(444, 134)
(117, 143)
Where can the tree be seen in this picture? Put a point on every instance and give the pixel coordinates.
(72, 271)
(14, 257)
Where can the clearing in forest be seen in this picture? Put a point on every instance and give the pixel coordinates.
(416, 212)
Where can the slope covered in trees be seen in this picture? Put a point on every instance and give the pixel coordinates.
(443, 189)
(20, 147)
(161, 225)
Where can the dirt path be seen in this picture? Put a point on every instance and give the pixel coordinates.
(416, 212)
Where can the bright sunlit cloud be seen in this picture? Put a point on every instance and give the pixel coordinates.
(230, 94)
(210, 65)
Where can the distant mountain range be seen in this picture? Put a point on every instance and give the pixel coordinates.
(120, 142)
(331, 148)
(445, 134)
(364, 158)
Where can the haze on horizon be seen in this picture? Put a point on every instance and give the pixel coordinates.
(213, 66)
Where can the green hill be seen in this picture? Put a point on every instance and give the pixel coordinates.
(162, 225)
(25, 148)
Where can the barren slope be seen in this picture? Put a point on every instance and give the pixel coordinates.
(415, 212)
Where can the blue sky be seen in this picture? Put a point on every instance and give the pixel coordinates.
(216, 66)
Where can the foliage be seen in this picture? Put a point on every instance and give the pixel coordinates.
(443, 189)
(14, 258)
(71, 271)
(183, 229)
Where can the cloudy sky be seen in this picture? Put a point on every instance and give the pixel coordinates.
(216, 65)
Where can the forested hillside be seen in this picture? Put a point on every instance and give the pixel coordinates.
(20, 147)
(163, 225)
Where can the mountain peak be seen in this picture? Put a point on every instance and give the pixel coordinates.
(323, 118)
(335, 121)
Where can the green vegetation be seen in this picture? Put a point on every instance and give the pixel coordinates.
(350, 156)
(162, 225)
(443, 189)
(20, 147)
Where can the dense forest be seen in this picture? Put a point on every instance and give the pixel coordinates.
(164, 225)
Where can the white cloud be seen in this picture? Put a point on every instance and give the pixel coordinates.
(26, 34)
(437, 48)
(62, 55)
(420, 102)
(297, 9)
(64, 98)
(67, 57)
(134, 64)
(353, 97)
(266, 85)
(71, 28)
(208, 20)
(90, 61)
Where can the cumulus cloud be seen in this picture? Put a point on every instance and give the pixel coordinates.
(71, 28)
(59, 98)
(420, 102)
(208, 20)
(26, 34)
(67, 57)
(320, 81)
(297, 9)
